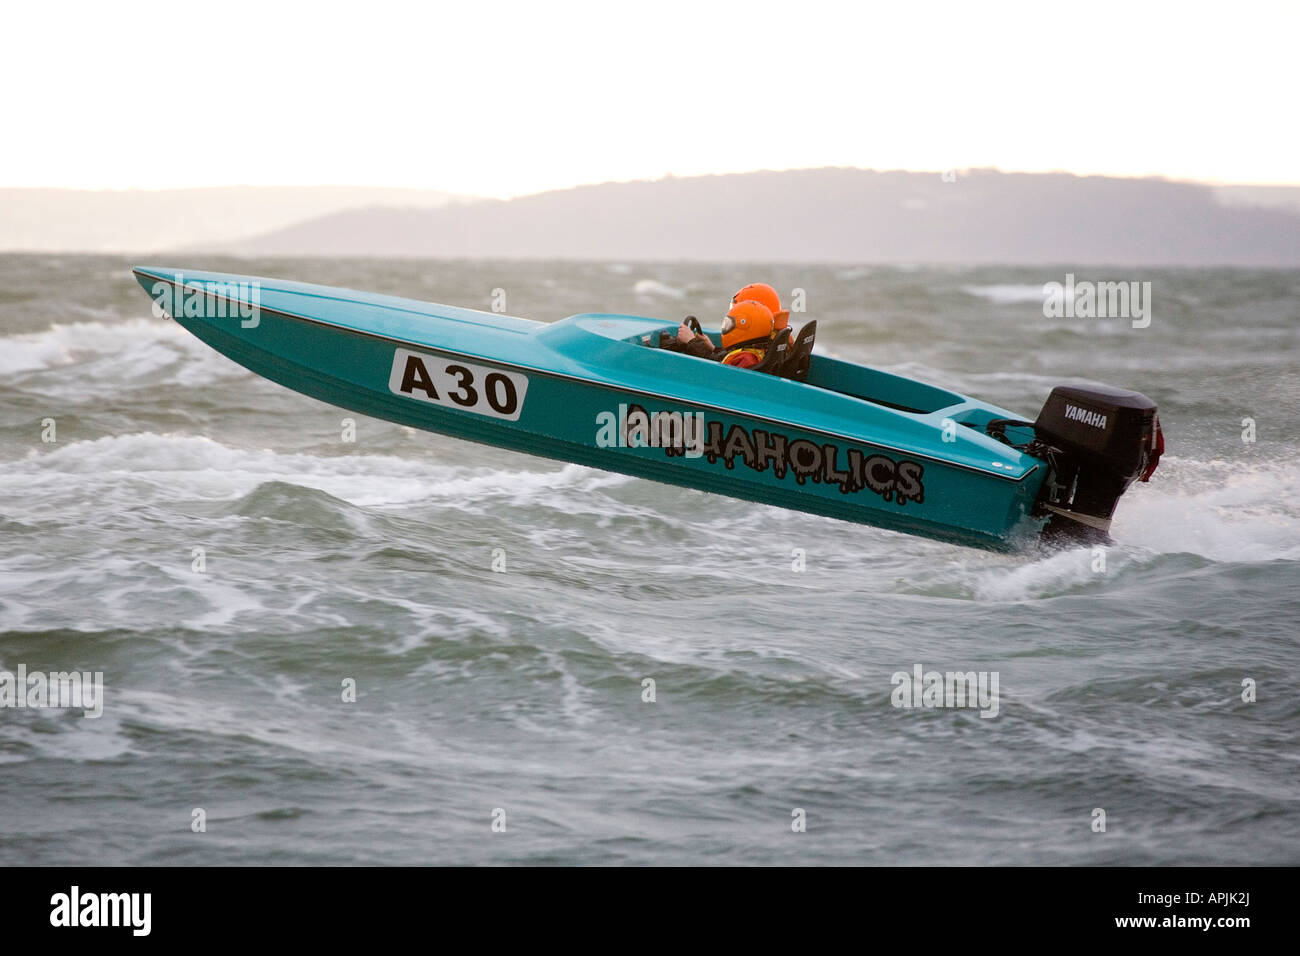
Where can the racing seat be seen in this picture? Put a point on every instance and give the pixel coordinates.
(777, 354)
(799, 355)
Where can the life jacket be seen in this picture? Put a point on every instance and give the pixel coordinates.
(733, 356)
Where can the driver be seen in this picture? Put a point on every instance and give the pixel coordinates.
(764, 294)
(746, 334)
(698, 344)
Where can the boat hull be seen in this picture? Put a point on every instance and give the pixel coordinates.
(553, 391)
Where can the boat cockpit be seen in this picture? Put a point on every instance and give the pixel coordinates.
(791, 357)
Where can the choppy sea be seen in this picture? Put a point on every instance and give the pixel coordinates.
(210, 544)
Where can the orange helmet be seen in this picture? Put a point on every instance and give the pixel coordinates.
(745, 322)
(762, 293)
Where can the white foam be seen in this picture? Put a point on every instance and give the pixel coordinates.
(188, 466)
(225, 603)
(1006, 294)
(155, 351)
(649, 288)
(76, 738)
(1224, 511)
(66, 344)
(1219, 509)
(1060, 572)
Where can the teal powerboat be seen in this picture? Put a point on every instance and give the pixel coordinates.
(807, 431)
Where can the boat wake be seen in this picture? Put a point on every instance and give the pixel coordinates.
(1221, 510)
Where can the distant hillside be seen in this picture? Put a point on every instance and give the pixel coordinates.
(835, 215)
(86, 220)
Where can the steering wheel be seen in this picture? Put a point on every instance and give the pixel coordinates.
(693, 324)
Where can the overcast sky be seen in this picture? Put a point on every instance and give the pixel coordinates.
(501, 99)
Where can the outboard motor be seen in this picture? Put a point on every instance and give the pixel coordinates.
(1098, 439)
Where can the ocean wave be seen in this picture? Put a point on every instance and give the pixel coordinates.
(1006, 293)
(65, 735)
(112, 358)
(650, 288)
(190, 466)
(66, 344)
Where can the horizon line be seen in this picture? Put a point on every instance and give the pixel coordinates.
(960, 170)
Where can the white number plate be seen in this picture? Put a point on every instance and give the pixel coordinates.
(456, 384)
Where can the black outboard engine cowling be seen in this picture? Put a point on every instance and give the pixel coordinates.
(1098, 440)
